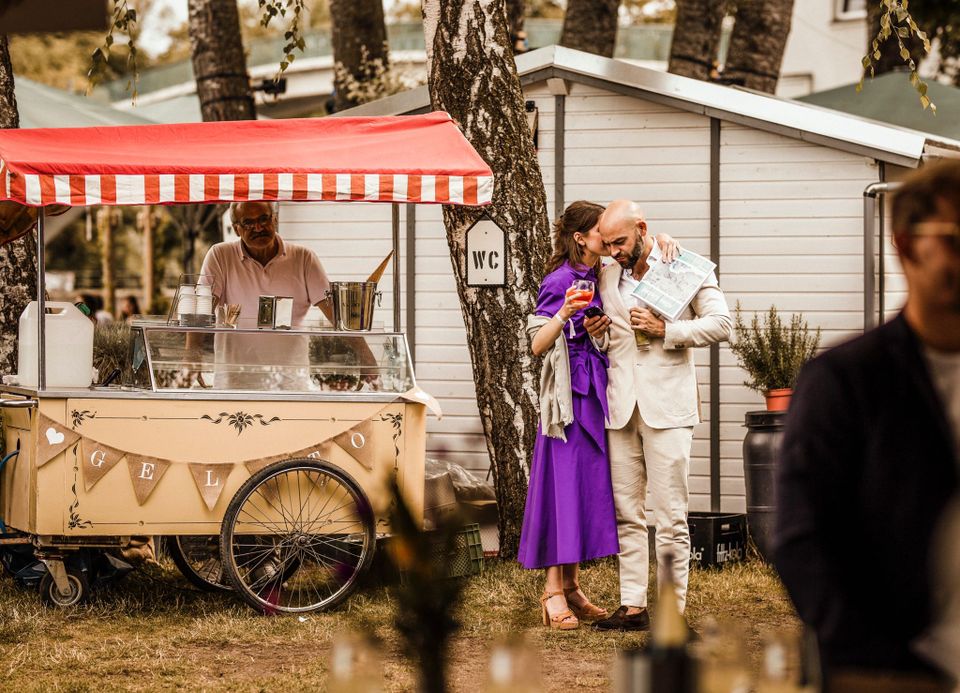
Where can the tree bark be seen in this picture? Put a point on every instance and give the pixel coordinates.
(359, 37)
(473, 77)
(591, 26)
(219, 63)
(696, 38)
(757, 43)
(516, 20)
(890, 58)
(18, 259)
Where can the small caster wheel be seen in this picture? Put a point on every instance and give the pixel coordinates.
(78, 589)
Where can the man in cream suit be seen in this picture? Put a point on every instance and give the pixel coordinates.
(654, 404)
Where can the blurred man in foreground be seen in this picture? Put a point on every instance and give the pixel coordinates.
(869, 463)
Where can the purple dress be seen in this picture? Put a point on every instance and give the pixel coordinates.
(569, 516)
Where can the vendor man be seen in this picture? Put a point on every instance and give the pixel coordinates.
(260, 263)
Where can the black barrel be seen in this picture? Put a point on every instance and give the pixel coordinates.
(761, 451)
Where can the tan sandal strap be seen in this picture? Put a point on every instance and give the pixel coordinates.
(562, 616)
(547, 595)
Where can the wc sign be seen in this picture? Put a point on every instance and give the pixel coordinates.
(486, 254)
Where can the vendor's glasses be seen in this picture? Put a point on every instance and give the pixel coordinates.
(945, 229)
(258, 222)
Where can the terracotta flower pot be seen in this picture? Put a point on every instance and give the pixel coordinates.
(778, 400)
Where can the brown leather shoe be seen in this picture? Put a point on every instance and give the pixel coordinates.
(621, 621)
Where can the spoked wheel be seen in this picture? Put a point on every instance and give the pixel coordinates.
(297, 537)
(198, 559)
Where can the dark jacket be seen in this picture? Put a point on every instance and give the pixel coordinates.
(866, 470)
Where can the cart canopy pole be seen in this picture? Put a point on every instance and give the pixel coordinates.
(395, 208)
(41, 307)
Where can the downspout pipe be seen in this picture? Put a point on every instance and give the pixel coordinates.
(870, 195)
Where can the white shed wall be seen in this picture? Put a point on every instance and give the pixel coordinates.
(790, 227)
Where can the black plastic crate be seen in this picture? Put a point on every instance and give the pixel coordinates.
(717, 538)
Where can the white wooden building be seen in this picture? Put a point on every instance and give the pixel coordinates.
(772, 190)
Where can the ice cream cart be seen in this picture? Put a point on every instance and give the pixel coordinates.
(270, 483)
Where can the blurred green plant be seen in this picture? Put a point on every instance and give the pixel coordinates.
(772, 352)
(111, 351)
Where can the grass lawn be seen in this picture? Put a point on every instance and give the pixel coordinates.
(153, 631)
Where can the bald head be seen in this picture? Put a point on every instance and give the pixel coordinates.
(623, 230)
(621, 215)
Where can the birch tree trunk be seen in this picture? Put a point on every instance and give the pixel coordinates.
(591, 26)
(757, 43)
(359, 36)
(18, 259)
(472, 75)
(696, 38)
(219, 63)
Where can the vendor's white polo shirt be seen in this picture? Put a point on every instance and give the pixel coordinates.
(237, 278)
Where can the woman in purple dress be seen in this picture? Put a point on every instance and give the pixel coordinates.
(569, 516)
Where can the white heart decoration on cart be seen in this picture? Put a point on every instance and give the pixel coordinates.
(54, 440)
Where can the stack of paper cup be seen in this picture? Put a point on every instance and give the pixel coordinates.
(187, 303)
(204, 299)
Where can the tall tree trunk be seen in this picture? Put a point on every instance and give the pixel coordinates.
(18, 259)
(890, 58)
(696, 38)
(472, 77)
(591, 26)
(516, 20)
(359, 36)
(219, 63)
(757, 43)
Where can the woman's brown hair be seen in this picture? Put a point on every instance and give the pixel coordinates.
(579, 216)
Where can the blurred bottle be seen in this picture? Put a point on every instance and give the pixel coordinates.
(722, 665)
(354, 666)
(514, 668)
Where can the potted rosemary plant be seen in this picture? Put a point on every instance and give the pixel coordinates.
(772, 353)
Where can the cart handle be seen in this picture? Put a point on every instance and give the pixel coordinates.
(18, 403)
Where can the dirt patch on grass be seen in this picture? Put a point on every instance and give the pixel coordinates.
(153, 632)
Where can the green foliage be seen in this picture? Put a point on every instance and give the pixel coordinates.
(272, 9)
(896, 22)
(124, 21)
(771, 352)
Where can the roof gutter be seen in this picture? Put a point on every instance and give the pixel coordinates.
(870, 195)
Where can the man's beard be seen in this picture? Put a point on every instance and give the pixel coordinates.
(634, 257)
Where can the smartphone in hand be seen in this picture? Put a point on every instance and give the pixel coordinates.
(592, 312)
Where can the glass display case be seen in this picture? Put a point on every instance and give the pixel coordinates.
(169, 358)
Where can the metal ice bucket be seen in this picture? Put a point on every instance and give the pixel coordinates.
(353, 304)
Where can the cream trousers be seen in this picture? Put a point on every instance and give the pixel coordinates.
(642, 459)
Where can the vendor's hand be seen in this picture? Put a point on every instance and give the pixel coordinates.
(597, 326)
(647, 322)
(669, 248)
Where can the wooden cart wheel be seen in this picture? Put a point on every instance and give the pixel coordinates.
(198, 559)
(296, 537)
(77, 592)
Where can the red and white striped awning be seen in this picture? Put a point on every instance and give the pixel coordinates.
(423, 159)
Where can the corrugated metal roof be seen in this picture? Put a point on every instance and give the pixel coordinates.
(764, 112)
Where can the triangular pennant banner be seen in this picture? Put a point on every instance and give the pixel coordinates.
(96, 459)
(358, 443)
(145, 473)
(315, 452)
(54, 439)
(210, 480)
(254, 466)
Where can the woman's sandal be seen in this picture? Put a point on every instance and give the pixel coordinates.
(565, 620)
(585, 611)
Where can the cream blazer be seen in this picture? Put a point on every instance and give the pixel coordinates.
(661, 380)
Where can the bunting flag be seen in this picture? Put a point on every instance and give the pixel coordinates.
(145, 473)
(54, 439)
(358, 443)
(96, 459)
(210, 480)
